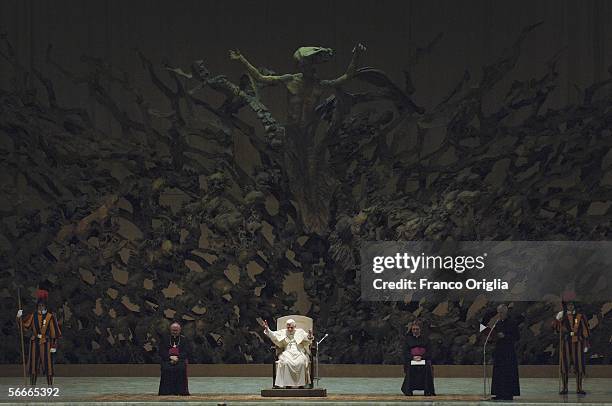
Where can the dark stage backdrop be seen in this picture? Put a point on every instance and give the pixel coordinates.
(268, 32)
(142, 206)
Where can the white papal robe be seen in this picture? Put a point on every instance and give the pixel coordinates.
(293, 365)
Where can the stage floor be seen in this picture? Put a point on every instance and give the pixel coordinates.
(234, 391)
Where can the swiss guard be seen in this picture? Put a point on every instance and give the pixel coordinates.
(45, 333)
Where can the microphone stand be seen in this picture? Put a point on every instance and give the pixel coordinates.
(317, 378)
(484, 361)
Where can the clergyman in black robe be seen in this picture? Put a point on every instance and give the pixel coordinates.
(417, 377)
(174, 354)
(505, 382)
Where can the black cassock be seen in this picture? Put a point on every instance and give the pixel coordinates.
(174, 376)
(417, 377)
(505, 383)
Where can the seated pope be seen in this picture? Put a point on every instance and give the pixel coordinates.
(293, 364)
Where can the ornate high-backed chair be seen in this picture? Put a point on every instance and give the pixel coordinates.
(305, 323)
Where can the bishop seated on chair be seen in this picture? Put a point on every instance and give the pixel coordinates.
(174, 352)
(293, 365)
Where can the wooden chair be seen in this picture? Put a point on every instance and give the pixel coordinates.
(305, 323)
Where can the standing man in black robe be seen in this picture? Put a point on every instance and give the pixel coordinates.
(417, 350)
(505, 384)
(174, 352)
